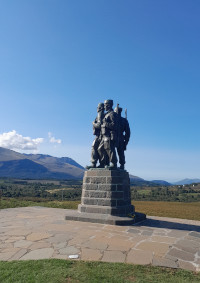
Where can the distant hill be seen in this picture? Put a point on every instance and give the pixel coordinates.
(187, 182)
(134, 178)
(161, 182)
(22, 168)
(38, 166)
(7, 154)
(137, 181)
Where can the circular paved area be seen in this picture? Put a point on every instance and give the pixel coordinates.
(38, 233)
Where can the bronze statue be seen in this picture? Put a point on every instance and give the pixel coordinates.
(112, 132)
(123, 136)
(109, 127)
(97, 132)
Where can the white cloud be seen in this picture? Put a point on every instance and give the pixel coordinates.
(53, 139)
(13, 140)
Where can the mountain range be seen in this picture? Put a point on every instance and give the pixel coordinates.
(40, 166)
(137, 181)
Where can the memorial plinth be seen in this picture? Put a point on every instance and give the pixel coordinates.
(106, 198)
(106, 192)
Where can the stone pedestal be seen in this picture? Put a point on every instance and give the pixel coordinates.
(106, 198)
(106, 192)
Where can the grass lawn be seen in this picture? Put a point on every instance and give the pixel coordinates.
(190, 210)
(63, 271)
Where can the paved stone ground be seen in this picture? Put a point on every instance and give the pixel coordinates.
(38, 233)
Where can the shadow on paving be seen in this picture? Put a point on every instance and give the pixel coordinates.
(169, 225)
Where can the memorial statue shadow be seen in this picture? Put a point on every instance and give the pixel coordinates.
(154, 223)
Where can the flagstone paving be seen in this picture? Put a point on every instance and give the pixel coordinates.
(40, 233)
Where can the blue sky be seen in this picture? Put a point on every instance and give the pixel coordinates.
(60, 58)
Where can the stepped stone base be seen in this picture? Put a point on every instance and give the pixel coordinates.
(106, 198)
(104, 218)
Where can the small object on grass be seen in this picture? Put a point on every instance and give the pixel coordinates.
(73, 256)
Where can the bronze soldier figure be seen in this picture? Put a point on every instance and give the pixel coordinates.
(97, 132)
(107, 146)
(123, 136)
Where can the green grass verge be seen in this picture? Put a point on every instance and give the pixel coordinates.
(12, 203)
(63, 271)
(190, 210)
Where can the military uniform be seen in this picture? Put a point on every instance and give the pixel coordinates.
(96, 142)
(124, 135)
(97, 132)
(108, 139)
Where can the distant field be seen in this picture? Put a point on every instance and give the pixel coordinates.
(70, 190)
(182, 210)
(155, 208)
